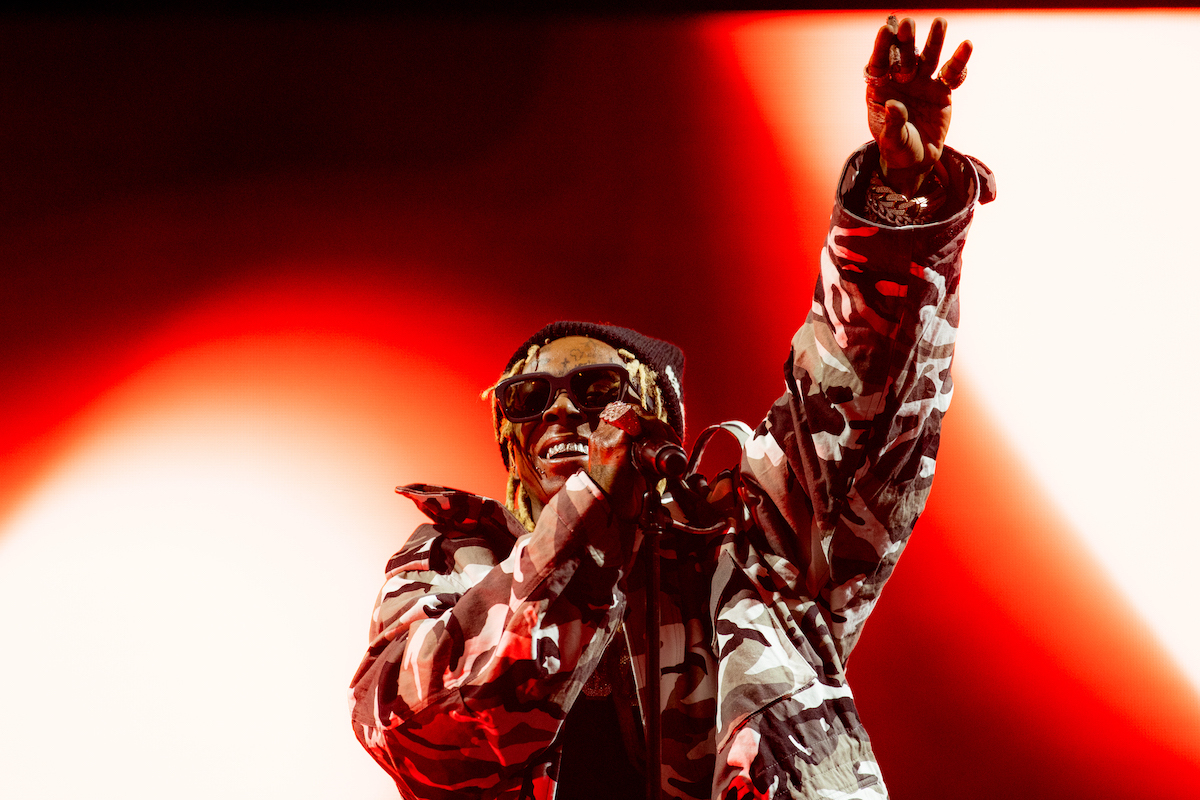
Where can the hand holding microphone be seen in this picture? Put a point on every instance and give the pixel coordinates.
(629, 453)
(653, 456)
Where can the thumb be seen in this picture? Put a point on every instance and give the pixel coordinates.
(900, 144)
(894, 119)
(932, 154)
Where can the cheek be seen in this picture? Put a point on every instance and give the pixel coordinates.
(524, 467)
(520, 436)
(522, 462)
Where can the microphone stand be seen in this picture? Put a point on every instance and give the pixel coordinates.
(653, 515)
(686, 486)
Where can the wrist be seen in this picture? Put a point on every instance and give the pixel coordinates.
(886, 205)
(905, 181)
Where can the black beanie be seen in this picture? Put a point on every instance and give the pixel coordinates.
(663, 357)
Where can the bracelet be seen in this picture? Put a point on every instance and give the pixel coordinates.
(887, 206)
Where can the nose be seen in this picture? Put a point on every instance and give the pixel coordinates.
(562, 407)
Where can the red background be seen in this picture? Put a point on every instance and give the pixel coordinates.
(444, 187)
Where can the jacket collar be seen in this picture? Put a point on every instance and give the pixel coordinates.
(464, 512)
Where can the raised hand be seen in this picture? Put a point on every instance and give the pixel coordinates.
(908, 99)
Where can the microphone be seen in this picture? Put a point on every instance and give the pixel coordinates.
(652, 457)
(663, 459)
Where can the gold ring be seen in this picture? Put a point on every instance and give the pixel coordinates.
(962, 76)
(872, 79)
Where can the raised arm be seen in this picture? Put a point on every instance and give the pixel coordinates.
(844, 461)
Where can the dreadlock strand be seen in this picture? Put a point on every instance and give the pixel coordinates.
(646, 381)
(515, 498)
(510, 491)
(647, 388)
(523, 508)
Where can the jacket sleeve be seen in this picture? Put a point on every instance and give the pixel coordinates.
(843, 463)
(476, 655)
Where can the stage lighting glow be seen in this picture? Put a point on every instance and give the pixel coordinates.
(1079, 285)
(189, 589)
(184, 594)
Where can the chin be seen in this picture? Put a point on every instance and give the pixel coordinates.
(553, 479)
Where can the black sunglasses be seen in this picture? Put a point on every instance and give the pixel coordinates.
(524, 398)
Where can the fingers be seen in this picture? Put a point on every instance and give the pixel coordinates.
(878, 65)
(932, 52)
(962, 55)
(895, 57)
(904, 50)
(954, 71)
(624, 416)
(611, 462)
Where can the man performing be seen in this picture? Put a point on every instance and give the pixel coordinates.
(509, 652)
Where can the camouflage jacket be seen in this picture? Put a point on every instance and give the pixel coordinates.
(484, 634)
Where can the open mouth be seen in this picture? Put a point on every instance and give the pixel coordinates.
(569, 449)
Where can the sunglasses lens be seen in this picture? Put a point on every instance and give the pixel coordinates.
(525, 399)
(590, 388)
(594, 389)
